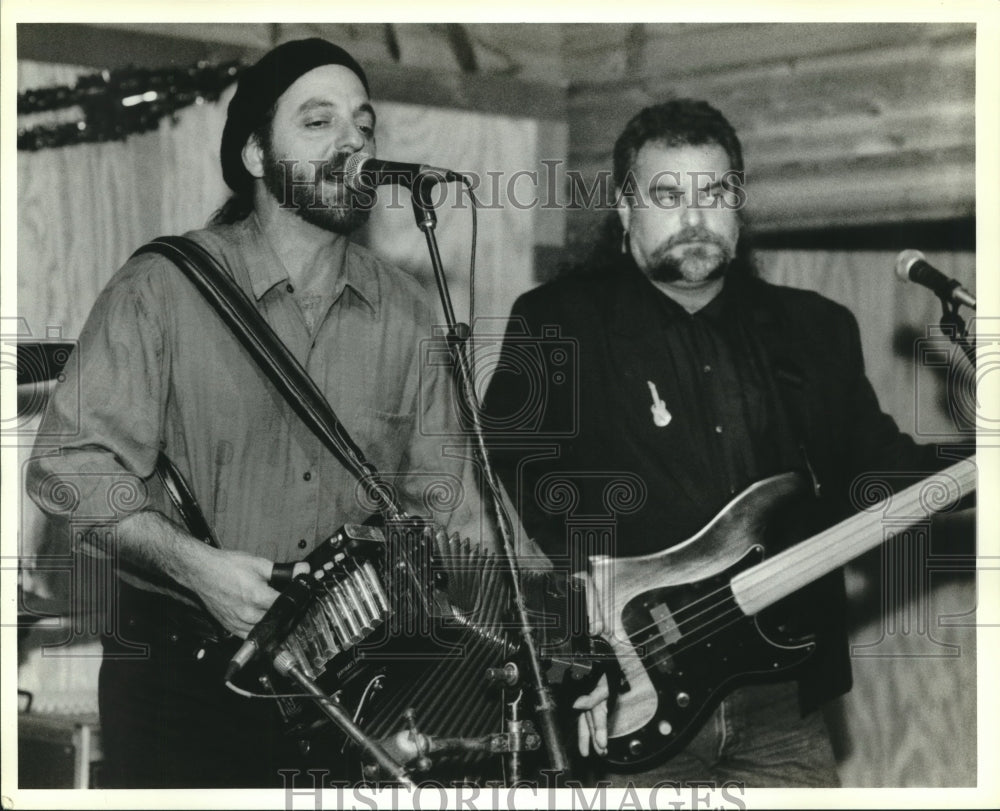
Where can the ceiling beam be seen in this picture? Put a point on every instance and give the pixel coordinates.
(109, 48)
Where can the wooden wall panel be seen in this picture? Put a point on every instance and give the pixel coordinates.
(476, 143)
(895, 321)
(825, 112)
(839, 94)
(651, 50)
(911, 718)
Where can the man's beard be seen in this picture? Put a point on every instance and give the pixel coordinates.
(342, 215)
(705, 257)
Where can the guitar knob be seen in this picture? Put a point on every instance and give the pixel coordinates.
(635, 747)
(683, 699)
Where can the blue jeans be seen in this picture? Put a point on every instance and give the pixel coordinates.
(755, 738)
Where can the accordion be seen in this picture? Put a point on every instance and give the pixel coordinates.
(411, 632)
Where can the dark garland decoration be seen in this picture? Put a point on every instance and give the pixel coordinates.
(119, 103)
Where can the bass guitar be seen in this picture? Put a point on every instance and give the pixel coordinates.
(684, 625)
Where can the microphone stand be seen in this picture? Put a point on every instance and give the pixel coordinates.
(458, 334)
(953, 325)
(286, 666)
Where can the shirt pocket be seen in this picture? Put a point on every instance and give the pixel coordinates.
(384, 438)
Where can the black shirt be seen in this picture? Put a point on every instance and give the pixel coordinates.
(720, 394)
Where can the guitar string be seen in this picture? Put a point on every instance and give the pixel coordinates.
(702, 605)
(707, 604)
(696, 607)
(651, 649)
(963, 472)
(731, 615)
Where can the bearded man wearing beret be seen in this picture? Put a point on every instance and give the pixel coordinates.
(158, 371)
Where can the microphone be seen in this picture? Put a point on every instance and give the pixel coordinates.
(362, 172)
(912, 266)
(274, 625)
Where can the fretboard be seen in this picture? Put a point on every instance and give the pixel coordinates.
(777, 577)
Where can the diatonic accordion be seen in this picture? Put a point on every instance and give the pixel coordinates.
(404, 629)
(409, 628)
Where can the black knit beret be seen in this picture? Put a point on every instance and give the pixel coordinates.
(259, 88)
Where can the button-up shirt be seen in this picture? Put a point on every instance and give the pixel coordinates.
(156, 369)
(719, 391)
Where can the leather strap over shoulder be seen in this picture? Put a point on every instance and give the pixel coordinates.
(187, 505)
(281, 367)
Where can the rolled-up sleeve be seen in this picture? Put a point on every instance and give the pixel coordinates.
(100, 435)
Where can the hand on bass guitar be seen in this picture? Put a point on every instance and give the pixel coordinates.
(592, 724)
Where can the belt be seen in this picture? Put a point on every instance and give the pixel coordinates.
(162, 622)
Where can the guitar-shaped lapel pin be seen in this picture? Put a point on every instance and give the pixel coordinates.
(661, 417)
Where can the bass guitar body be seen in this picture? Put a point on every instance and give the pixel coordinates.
(681, 641)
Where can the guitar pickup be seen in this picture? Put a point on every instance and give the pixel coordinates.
(669, 632)
(665, 623)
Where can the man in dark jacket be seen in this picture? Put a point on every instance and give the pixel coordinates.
(673, 379)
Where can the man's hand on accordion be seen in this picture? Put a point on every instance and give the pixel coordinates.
(233, 586)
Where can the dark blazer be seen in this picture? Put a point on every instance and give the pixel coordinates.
(572, 438)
